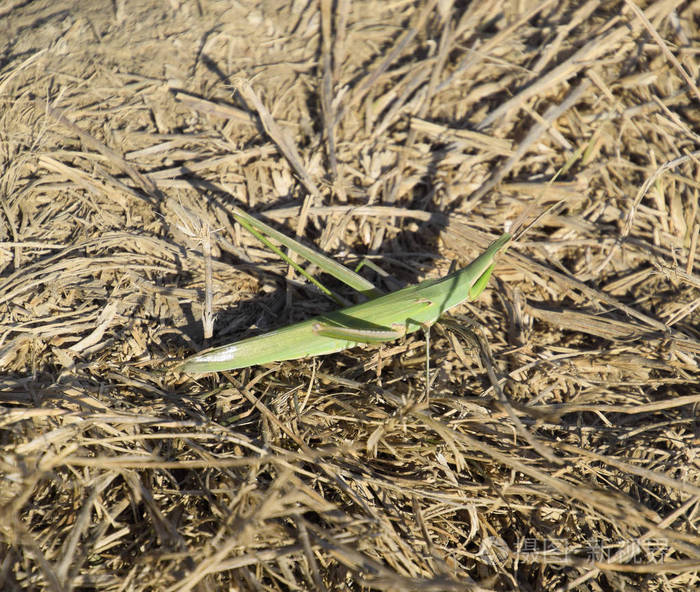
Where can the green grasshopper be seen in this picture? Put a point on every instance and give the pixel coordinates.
(382, 319)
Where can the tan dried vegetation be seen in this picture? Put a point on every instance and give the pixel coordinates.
(411, 132)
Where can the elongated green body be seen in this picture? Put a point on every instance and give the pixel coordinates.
(381, 319)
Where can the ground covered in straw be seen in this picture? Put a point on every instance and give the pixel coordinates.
(559, 446)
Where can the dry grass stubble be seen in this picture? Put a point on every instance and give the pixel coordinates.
(410, 132)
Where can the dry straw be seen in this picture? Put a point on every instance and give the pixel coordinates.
(567, 458)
